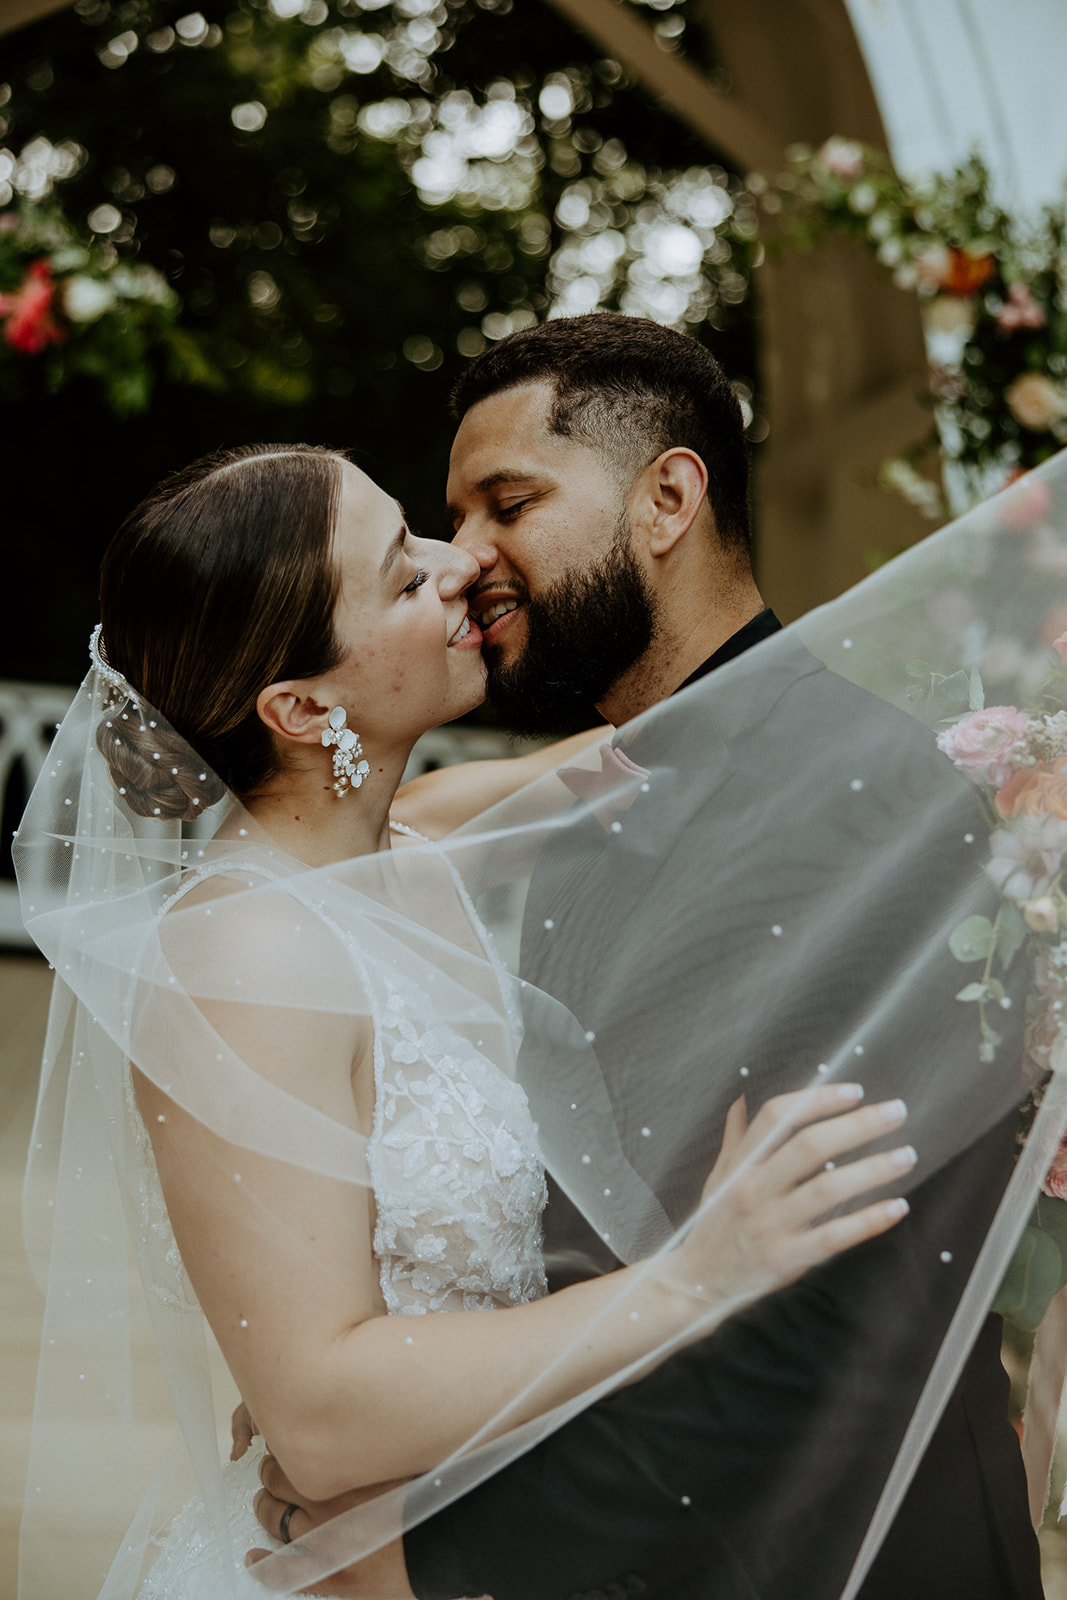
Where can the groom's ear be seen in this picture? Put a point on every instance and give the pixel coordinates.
(668, 497)
(288, 709)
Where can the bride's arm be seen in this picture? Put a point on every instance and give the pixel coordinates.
(281, 1259)
(439, 802)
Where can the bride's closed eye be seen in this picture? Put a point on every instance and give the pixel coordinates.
(417, 581)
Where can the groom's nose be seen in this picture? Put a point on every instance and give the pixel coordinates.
(484, 552)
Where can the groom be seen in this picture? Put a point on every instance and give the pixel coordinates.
(599, 476)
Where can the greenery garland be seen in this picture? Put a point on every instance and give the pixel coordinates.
(71, 306)
(993, 292)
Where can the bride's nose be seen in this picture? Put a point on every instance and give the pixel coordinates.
(459, 570)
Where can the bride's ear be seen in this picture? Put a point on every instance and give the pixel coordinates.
(289, 711)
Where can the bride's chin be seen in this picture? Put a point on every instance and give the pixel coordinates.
(476, 699)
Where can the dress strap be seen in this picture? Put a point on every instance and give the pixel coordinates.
(412, 833)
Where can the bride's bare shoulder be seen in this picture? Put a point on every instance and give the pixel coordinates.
(439, 802)
(244, 922)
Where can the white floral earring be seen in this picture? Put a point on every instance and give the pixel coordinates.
(349, 770)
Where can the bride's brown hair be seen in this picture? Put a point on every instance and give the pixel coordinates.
(221, 582)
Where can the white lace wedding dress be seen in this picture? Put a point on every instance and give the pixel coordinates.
(459, 1189)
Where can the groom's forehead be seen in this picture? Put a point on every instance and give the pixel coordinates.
(507, 436)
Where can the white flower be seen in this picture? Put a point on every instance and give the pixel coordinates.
(1027, 856)
(142, 283)
(932, 265)
(842, 157)
(429, 1247)
(863, 199)
(86, 299)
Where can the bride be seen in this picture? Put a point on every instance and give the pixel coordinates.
(287, 1051)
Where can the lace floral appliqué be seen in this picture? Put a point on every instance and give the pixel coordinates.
(458, 1180)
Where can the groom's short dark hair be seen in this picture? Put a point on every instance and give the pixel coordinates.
(629, 389)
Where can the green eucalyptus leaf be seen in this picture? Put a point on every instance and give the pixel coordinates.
(976, 692)
(1036, 1273)
(1011, 934)
(972, 940)
(973, 991)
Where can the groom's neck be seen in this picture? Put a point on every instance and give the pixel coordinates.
(690, 628)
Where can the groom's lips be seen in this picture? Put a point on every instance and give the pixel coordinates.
(495, 631)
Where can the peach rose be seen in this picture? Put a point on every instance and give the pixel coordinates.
(956, 271)
(983, 745)
(969, 270)
(1034, 401)
(950, 314)
(1036, 792)
(1060, 647)
(1040, 915)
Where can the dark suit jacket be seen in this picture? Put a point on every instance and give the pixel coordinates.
(749, 1465)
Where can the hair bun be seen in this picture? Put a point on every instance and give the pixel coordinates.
(154, 770)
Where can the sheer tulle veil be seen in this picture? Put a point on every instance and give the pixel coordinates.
(793, 883)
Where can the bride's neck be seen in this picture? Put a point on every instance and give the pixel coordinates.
(301, 811)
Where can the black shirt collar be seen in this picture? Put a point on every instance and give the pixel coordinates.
(760, 627)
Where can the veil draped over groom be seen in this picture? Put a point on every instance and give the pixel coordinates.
(839, 857)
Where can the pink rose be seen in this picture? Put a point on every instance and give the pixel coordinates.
(1047, 553)
(843, 158)
(1034, 401)
(1060, 647)
(1055, 1182)
(1026, 499)
(30, 324)
(1020, 310)
(983, 745)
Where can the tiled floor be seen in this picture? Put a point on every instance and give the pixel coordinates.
(25, 984)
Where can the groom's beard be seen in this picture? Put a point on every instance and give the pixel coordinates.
(581, 636)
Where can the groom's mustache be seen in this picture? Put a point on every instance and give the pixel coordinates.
(484, 596)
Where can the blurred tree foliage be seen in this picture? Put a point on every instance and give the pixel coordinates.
(351, 198)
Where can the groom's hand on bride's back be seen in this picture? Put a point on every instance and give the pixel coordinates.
(382, 1575)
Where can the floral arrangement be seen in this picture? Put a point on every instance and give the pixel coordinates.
(1018, 758)
(71, 307)
(993, 290)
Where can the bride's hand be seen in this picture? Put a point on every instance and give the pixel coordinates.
(242, 1430)
(757, 1228)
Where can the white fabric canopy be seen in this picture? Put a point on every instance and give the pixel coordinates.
(954, 75)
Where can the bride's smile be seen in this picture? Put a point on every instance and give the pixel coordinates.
(413, 650)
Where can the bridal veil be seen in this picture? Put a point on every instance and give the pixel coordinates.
(785, 881)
